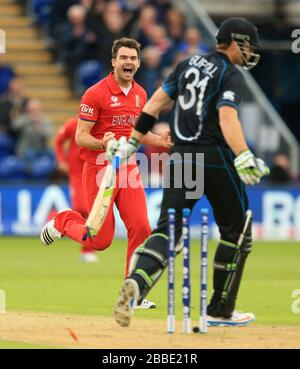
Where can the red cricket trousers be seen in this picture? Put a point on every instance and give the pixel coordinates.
(129, 197)
(77, 197)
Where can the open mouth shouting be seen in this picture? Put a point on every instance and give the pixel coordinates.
(128, 71)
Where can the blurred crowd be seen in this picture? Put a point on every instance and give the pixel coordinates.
(80, 33)
(25, 132)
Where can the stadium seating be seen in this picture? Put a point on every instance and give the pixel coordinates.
(87, 74)
(42, 10)
(7, 145)
(28, 54)
(42, 167)
(12, 168)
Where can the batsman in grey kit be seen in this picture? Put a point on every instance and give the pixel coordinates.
(207, 90)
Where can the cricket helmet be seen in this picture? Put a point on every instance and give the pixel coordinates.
(245, 34)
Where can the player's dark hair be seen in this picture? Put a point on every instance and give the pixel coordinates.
(125, 42)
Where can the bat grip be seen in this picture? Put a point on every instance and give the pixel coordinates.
(116, 162)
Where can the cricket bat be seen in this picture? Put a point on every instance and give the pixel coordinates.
(103, 199)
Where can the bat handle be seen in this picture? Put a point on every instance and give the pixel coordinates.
(116, 162)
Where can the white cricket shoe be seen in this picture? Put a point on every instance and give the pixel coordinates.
(146, 304)
(89, 257)
(238, 319)
(49, 233)
(127, 300)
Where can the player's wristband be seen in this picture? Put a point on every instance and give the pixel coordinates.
(145, 123)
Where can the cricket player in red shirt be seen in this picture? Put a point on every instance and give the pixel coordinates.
(69, 162)
(109, 110)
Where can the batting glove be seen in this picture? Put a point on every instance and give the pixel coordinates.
(111, 149)
(249, 168)
(127, 148)
(123, 148)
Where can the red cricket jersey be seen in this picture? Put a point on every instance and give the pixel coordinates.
(107, 105)
(72, 155)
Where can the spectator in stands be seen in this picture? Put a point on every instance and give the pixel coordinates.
(159, 39)
(113, 7)
(87, 4)
(77, 41)
(92, 26)
(6, 75)
(280, 170)
(113, 28)
(175, 25)
(34, 131)
(146, 21)
(59, 15)
(131, 11)
(192, 43)
(95, 16)
(12, 104)
(132, 5)
(150, 75)
(177, 58)
(162, 6)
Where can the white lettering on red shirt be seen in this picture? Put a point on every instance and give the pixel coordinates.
(124, 120)
(86, 110)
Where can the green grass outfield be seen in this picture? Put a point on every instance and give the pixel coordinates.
(53, 279)
(20, 345)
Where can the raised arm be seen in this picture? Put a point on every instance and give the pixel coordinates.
(150, 113)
